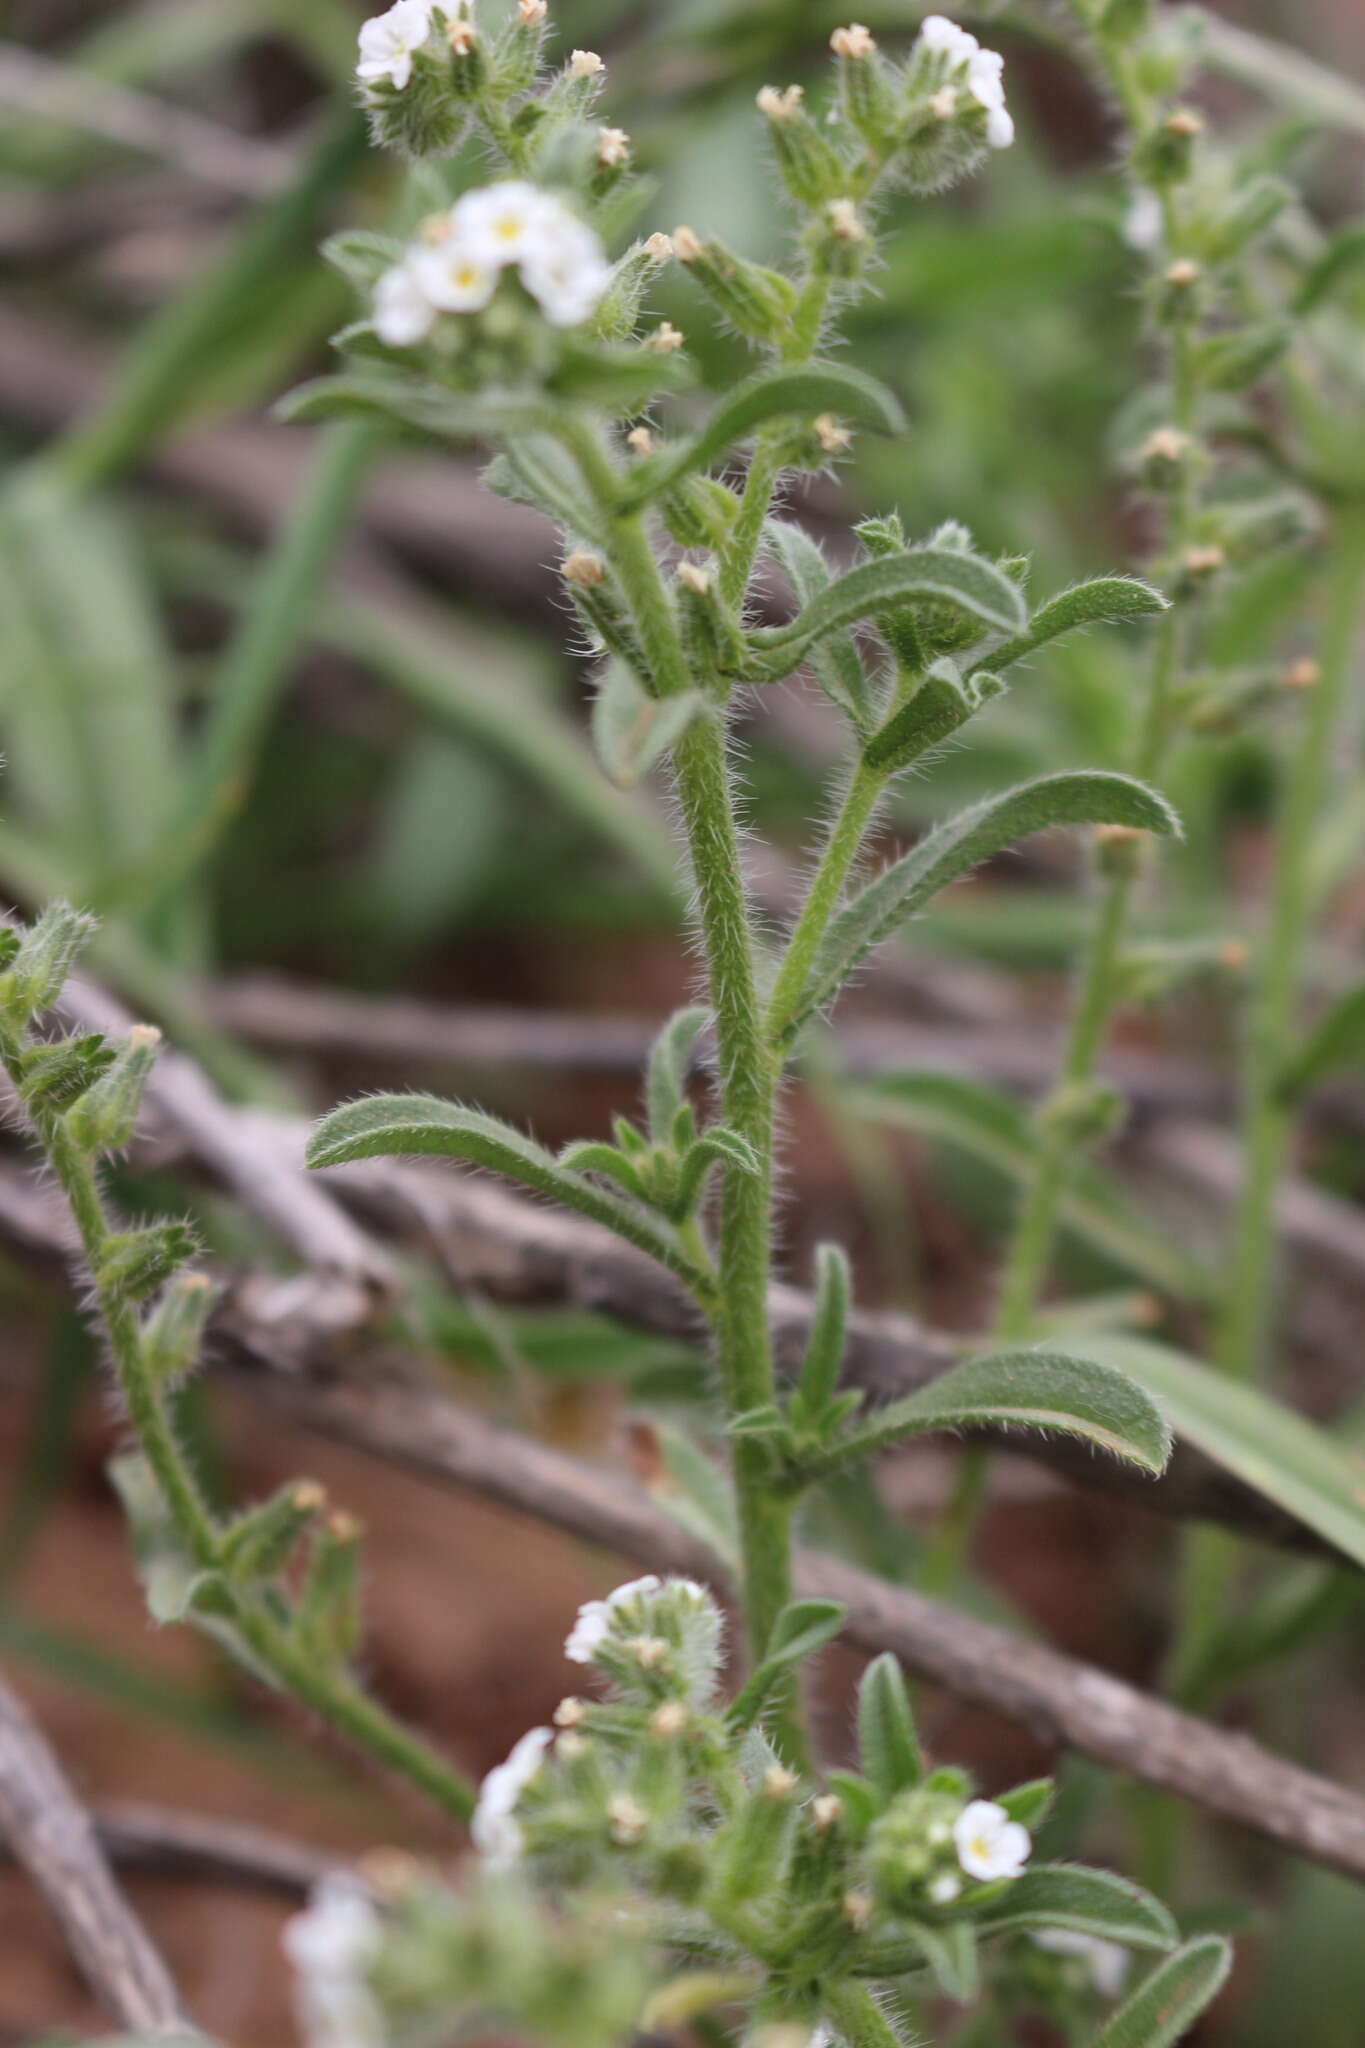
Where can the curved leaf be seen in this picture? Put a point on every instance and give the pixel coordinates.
(1281, 1454)
(631, 730)
(1336, 1042)
(384, 1126)
(669, 1060)
(942, 704)
(415, 402)
(965, 580)
(1084, 1901)
(1029, 1389)
(1166, 2005)
(1106, 600)
(877, 910)
(771, 394)
(836, 664)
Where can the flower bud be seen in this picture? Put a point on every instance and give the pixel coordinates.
(259, 1544)
(666, 339)
(58, 1073)
(172, 1338)
(810, 168)
(327, 1621)
(43, 958)
(867, 86)
(426, 116)
(516, 59)
(1165, 456)
(1166, 155)
(756, 300)
(626, 1819)
(699, 512)
(134, 1263)
(105, 1117)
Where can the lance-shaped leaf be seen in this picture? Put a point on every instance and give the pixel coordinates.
(836, 664)
(824, 1353)
(888, 1745)
(382, 1126)
(942, 704)
(1107, 600)
(631, 730)
(1083, 1901)
(951, 574)
(715, 1147)
(669, 1060)
(415, 402)
(1029, 1389)
(801, 392)
(1335, 1044)
(1168, 2002)
(884, 904)
(802, 1628)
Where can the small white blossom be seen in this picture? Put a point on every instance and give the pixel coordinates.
(594, 1621)
(494, 1828)
(989, 1844)
(985, 73)
(940, 34)
(568, 276)
(453, 277)
(403, 311)
(387, 43)
(331, 1947)
(1144, 223)
(506, 222)
(945, 1889)
(1108, 1963)
(585, 64)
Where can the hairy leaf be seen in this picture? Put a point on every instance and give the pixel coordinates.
(942, 704)
(888, 1746)
(415, 402)
(803, 391)
(1027, 1389)
(1086, 1902)
(1166, 2005)
(1106, 600)
(669, 1059)
(962, 579)
(824, 1352)
(632, 730)
(802, 1628)
(836, 663)
(884, 904)
(382, 1126)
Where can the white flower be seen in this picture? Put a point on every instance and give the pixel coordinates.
(1144, 223)
(453, 276)
(594, 1622)
(945, 1889)
(1108, 1962)
(504, 223)
(387, 43)
(938, 33)
(331, 1947)
(495, 1831)
(990, 1844)
(403, 311)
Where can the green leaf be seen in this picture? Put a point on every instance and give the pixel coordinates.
(824, 1353)
(594, 1155)
(1282, 1455)
(888, 1746)
(669, 1060)
(1166, 2005)
(942, 704)
(1335, 1044)
(802, 1628)
(884, 904)
(1107, 599)
(1233, 362)
(950, 1952)
(836, 664)
(770, 394)
(962, 579)
(717, 1146)
(1344, 253)
(362, 255)
(1083, 1901)
(1032, 1389)
(1030, 1804)
(993, 1127)
(382, 1126)
(699, 1494)
(632, 730)
(415, 402)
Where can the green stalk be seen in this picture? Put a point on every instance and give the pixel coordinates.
(822, 899)
(334, 1697)
(858, 2019)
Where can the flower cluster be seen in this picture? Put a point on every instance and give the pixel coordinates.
(456, 265)
(959, 53)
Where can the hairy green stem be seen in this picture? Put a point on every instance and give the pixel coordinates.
(333, 1696)
(857, 2018)
(841, 851)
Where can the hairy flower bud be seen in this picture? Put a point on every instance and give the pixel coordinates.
(756, 300)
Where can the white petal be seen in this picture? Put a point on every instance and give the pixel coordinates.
(454, 277)
(999, 128)
(403, 312)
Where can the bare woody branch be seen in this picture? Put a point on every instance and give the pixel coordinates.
(52, 1836)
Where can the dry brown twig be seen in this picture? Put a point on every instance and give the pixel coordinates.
(52, 1836)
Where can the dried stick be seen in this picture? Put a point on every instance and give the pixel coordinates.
(53, 1837)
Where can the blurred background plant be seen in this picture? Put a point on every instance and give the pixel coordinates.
(292, 712)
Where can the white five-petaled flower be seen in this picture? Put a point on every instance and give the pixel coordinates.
(331, 1947)
(594, 1621)
(453, 277)
(389, 41)
(985, 73)
(1108, 1963)
(494, 1827)
(403, 309)
(989, 1844)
